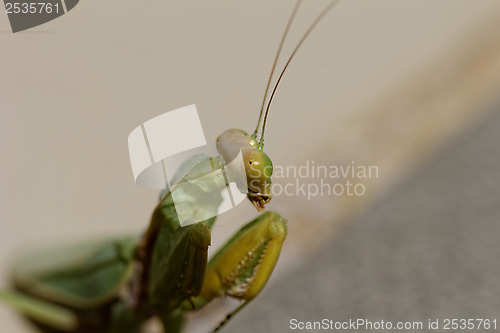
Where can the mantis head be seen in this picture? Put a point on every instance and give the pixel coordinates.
(258, 165)
(259, 169)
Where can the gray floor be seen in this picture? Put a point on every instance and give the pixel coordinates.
(429, 250)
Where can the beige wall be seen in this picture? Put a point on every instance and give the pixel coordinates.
(72, 90)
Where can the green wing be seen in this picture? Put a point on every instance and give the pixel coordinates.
(177, 255)
(81, 278)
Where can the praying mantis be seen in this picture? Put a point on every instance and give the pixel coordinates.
(119, 284)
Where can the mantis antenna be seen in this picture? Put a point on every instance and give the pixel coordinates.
(290, 20)
(260, 145)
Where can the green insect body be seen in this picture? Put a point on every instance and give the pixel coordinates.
(115, 286)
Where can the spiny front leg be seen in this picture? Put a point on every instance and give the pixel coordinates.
(242, 267)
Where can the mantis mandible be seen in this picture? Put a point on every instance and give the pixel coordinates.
(117, 285)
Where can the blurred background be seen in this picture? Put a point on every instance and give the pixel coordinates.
(410, 87)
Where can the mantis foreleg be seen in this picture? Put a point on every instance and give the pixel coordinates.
(242, 267)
